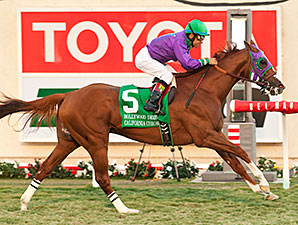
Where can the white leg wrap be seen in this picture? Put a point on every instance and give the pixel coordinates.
(26, 197)
(119, 205)
(263, 188)
(254, 187)
(258, 173)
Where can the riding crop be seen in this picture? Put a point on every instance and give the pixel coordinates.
(191, 96)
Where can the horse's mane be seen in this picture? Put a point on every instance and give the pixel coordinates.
(229, 49)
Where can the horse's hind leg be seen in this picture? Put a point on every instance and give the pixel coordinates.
(100, 163)
(95, 141)
(229, 151)
(61, 151)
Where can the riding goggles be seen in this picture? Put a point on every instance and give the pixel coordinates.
(200, 37)
(196, 35)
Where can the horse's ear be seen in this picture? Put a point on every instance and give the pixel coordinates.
(250, 47)
(247, 45)
(252, 42)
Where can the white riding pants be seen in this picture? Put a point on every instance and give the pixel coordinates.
(144, 62)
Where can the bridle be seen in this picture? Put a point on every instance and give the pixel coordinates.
(261, 82)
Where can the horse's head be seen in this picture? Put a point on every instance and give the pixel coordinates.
(262, 71)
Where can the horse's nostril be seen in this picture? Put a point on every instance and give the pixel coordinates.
(280, 89)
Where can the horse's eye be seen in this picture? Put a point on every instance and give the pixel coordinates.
(262, 63)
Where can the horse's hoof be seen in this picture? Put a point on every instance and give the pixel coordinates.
(131, 211)
(23, 207)
(23, 204)
(271, 197)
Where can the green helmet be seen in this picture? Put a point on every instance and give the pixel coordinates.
(197, 27)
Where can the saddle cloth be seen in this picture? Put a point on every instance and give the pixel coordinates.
(132, 100)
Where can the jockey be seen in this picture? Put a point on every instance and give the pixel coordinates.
(153, 57)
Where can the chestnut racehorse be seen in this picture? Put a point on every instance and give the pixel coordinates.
(85, 117)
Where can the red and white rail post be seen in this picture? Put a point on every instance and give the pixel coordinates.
(285, 171)
(234, 133)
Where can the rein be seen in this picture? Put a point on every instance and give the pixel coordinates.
(237, 76)
(262, 83)
(222, 71)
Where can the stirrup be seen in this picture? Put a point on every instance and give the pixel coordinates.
(159, 111)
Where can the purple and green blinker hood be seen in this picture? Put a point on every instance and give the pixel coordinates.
(260, 64)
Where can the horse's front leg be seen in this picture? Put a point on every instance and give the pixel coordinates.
(264, 185)
(235, 164)
(228, 151)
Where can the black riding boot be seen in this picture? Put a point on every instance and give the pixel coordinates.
(157, 90)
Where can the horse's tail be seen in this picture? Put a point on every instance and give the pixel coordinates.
(41, 108)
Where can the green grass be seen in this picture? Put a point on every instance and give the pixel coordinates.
(161, 202)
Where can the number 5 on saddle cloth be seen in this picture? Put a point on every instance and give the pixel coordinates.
(132, 100)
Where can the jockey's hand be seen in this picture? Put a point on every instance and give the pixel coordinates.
(212, 61)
